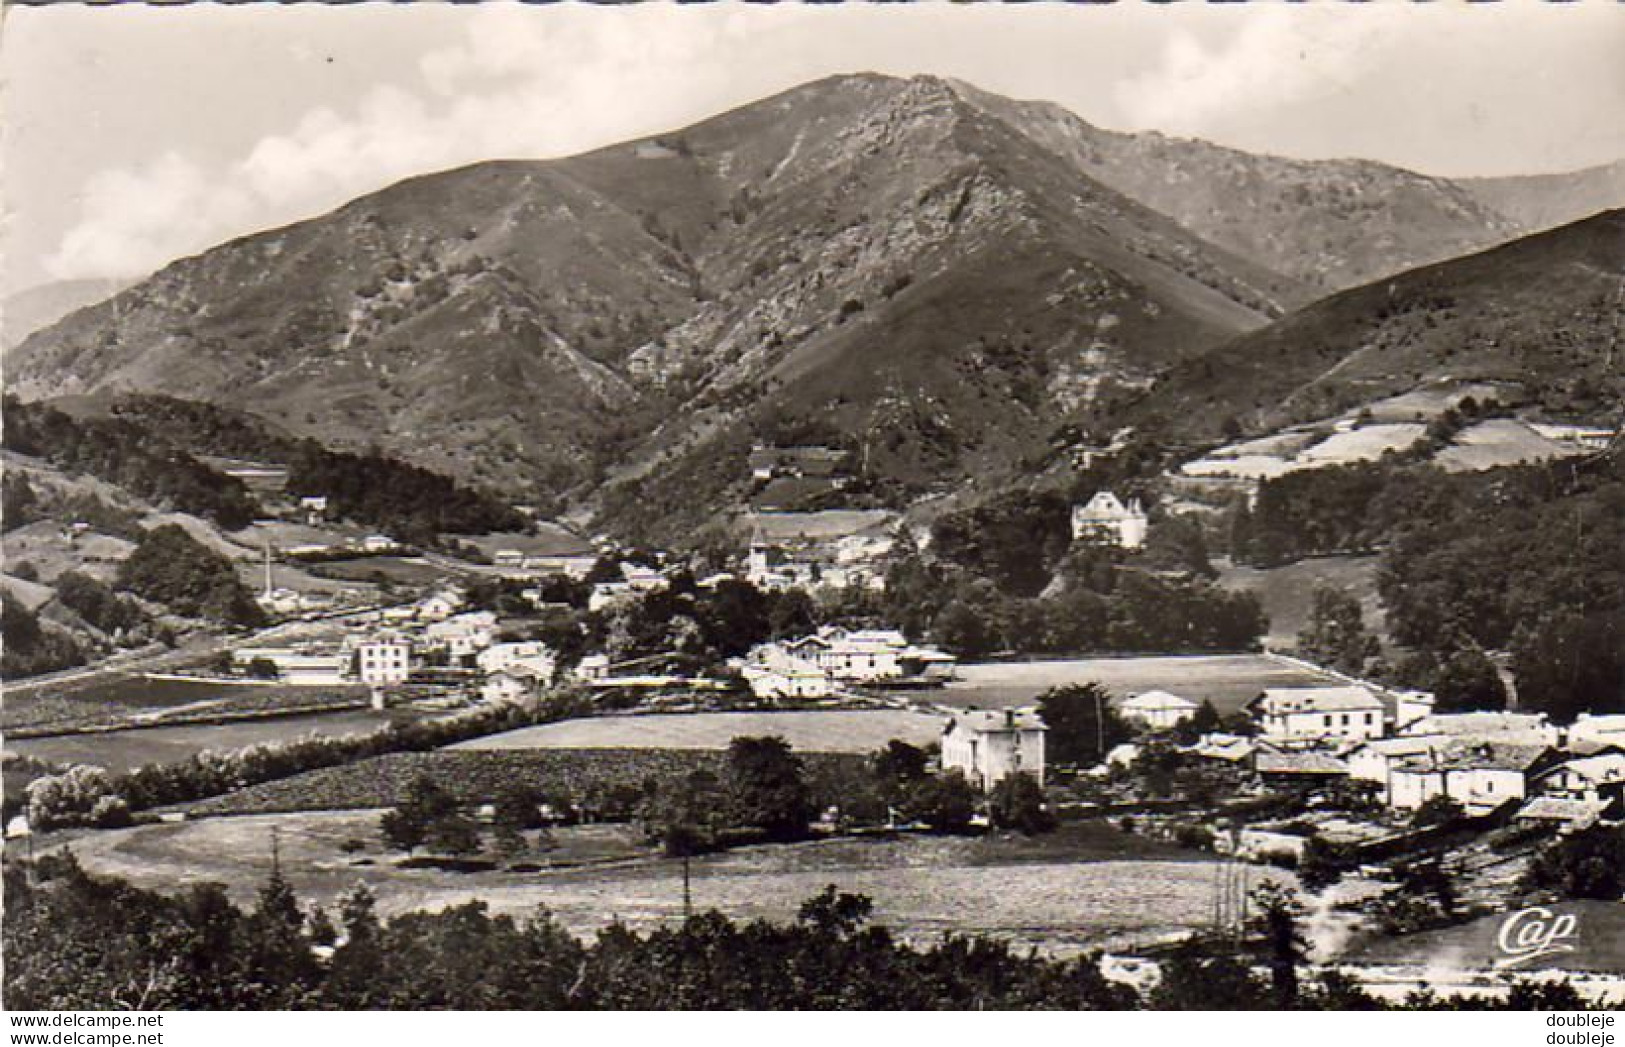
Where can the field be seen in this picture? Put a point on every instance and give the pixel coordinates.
(1500, 442)
(823, 730)
(1287, 592)
(550, 540)
(1365, 444)
(474, 777)
(1084, 886)
(122, 750)
(399, 570)
(1227, 680)
(110, 698)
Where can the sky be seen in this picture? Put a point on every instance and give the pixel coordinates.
(133, 135)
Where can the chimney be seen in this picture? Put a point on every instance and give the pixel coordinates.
(1010, 718)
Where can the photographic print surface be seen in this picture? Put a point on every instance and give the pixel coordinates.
(813, 507)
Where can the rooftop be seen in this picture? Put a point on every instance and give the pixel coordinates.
(1283, 700)
(997, 721)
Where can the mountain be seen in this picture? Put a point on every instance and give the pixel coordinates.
(862, 253)
(940, 280)
(1332, 224)
(1539, 202)
(24, 312)
(1540, 317)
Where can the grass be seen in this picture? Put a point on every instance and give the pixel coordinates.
(1287, 592)
(1227, 680)
(395, 569)
(1082, 886)
(119, 751)
(831, 731)
(1500, 442)
(114, 698)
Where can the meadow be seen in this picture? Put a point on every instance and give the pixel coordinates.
(817, 730)
(124, 750)
(1287, 592)
(1084, 886)
(1227, 680)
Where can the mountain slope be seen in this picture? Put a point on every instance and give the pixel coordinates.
(1332, 224)
(1539, 202)
(1542, 315)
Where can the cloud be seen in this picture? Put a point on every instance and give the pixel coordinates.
(516, 82)
(1277, 56)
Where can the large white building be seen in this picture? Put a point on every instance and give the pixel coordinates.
(384, 660)
(1105, 517)
(989, 746)
(1287, 714)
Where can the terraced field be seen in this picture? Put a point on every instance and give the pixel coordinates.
(475, 777)
(807, 731)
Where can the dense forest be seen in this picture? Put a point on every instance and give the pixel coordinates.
(1529, 561)
(126, 455)
(172, 568)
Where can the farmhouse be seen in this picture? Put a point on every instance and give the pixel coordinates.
(990, 746)
(464, 635)
(1308, 713)
(1297, 765)
(1107, 518)
(1481, 776)
(1159, 710)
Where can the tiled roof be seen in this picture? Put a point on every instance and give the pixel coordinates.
(1149, 701)
(992, 721)
(1317, 699)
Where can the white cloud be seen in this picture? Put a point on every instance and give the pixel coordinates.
(518, 82)
(1278, 56)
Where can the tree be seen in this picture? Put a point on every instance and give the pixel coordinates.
(1318, 866)
(1083, 726)
(1438, 810)
(1285, 947)
(406, 825)
(1589, 864)
(171, 567)
(945, 802)
(1017, 802)
(516, 808)
(766, 788)
(1335, 635)
(684, 814)
(454, 834)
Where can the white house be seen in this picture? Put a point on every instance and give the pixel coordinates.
(592, 667)
(463, 635)
(989, 746)
(1106, 517)
(440, 606)
(1371, 761)
(378, 543)
(384, 660)
(314, 507)
(775, 682)
(1481, 776)
(503, 687)
(1158, 710)
(1307, 713)
(500, 656)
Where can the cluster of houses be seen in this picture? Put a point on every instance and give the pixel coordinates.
(825, 550)
(832, 659)
(432, 641)
(1485, 761)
